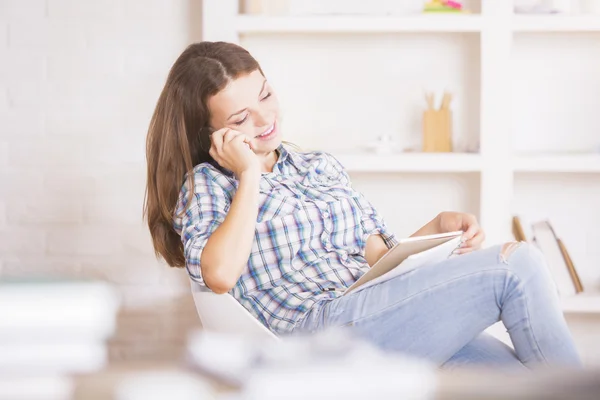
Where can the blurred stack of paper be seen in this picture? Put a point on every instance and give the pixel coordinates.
(51, 330)
(326, 365)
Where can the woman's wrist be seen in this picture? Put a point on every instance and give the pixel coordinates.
(250, 174)
(437, 223)
(431, 228)
(249, 187)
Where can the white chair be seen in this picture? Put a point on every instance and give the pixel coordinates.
(222, 313)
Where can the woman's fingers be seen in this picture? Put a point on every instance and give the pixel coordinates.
(477, 240)
(230, 135)
(472, 244)
(248, 141)
(470, 222)
(464, 250)
(217, 140)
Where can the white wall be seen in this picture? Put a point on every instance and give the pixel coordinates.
(78, 84)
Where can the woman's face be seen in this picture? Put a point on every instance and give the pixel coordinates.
(248, 105)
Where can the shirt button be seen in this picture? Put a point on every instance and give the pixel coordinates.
(325, 215)
(278, 178)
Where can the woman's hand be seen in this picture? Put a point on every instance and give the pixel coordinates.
(473, 235)
(231, 149)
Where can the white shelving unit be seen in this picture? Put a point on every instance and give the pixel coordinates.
(411, 162)
(351, 24)
(561, 163)
(497, 164)
(582, 304)
(554, 23)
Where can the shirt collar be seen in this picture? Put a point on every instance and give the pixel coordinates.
(283, 154)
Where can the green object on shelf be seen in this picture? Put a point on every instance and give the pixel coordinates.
(440, 6)
(441, 9)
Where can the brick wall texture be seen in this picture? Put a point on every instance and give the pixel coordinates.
(78, 84)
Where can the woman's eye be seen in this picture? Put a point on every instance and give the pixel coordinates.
(267, 96)
(241, 121)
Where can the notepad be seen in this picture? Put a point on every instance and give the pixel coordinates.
(407, 255)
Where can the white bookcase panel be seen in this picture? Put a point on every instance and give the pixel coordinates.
(526, 89)
(251, 24)
(570, 202)
(556, 23)
(556, 109)
(411, 200)
(338, 7)
(410, 162)
(557, 162)
(341, 92)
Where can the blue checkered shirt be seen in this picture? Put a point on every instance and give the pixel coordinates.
(310, 237)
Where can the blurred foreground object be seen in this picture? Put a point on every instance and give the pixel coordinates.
(50, 330)
(333, 365)
(164, 384)
(543, 384)
(326, 365)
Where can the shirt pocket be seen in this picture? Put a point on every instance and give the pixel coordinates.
(276, 204)
(276, 245)
(346, 229)
(327, 176)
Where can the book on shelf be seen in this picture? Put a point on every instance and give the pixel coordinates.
(557, 258)
(570, 266)
(517, 229)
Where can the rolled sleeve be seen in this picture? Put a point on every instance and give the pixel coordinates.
(372, 221)
(197, 219)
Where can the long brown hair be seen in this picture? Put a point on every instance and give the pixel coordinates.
(178, 136)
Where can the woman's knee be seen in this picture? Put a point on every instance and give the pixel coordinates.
(523, 258)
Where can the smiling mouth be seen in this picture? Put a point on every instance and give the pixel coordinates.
(267, 132)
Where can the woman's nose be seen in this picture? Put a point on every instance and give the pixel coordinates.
(262, 119)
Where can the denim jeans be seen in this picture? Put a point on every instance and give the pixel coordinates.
(438, 312)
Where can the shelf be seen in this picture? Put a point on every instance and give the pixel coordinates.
(582, 163)
(410, 162)
(358, 24)
(246, 24)
(556, 23)
(582, 303)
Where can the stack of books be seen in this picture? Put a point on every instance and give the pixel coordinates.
(555, 252)
(51, 331)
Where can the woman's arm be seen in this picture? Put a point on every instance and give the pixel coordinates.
(430, 228)
(449, 221)
(228, 248)
(446, 221)
(375, 249)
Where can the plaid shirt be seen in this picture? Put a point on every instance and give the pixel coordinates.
(310, 237)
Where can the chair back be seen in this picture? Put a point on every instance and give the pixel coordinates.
(222, 313)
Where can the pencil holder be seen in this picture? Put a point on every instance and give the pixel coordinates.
(437, 130)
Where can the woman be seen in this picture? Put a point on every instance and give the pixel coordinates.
(285, 233)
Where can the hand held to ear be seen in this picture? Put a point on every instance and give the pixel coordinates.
(232, 150)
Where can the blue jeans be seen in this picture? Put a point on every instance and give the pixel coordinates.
(438, 312)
